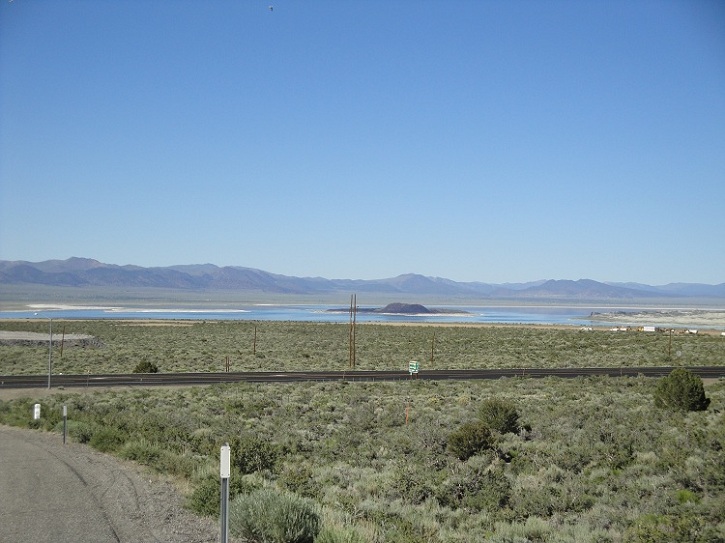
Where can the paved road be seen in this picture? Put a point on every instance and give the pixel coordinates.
(187, 379)
(55, 493)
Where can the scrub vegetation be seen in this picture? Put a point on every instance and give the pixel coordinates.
(619, 460)
(515, 460)
(182, 346)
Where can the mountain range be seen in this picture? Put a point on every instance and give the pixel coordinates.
(85, 272)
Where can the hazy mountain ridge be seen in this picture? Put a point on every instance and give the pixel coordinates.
(80, 272)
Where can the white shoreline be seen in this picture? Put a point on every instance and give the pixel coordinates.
(203, 311)
(68, 307)
(678, 317)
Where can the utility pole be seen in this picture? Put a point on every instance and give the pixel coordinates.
(50, 349)
(353, 324)
(432, 347)
(50, 352)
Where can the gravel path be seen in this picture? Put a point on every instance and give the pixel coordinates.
(55, 493)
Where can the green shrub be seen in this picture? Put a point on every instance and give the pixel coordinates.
(475, 489)
(81, 432)
(470, 439)
(673, 529)
(413, 484)
(107, 439)
(499, 415)
(251, 454)
(681, 390)
(339, 535)
(142, 451)
(532, 529)
(686, 496)
(146, 366)
(205, 499)
(400, 528)
(35, 424)
(268, 516)
(298, 478)
(175, 464)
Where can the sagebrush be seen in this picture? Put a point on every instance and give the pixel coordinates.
(599, 462)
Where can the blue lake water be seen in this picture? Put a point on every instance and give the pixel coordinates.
(321, 313)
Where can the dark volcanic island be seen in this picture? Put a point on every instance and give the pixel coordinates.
(403, 309)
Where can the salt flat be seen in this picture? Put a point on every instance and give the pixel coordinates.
(7, 335)
(696, 318)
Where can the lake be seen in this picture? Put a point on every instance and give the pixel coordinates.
(320, 313)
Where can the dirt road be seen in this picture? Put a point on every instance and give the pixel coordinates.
(55, 493)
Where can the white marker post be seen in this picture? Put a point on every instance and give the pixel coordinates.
(65, 422)
(36, 411)
(224, 471)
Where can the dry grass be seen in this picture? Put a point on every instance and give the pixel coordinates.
(298, 346)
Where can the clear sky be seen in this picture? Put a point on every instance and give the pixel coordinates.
(480, 140)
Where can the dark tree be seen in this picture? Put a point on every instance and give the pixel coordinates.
(146, 367)
(470, 439)
(499, 415)
(681, 390)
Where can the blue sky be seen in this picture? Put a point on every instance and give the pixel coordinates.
(474, 140)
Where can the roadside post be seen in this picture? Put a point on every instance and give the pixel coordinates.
(224, 471)
(36, 411)
(65, 422)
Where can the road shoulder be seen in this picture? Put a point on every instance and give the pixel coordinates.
(73, 493)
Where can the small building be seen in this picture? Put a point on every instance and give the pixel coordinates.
(648, 328)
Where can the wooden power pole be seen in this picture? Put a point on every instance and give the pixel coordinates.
(432, 347)
(353, 324)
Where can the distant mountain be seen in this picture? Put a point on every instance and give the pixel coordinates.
(690, 290)
(697, 290)
(84, 272)
(584, 289)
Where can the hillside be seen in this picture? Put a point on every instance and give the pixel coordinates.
(86, 273)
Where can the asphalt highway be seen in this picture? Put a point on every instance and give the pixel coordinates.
(171, 379)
